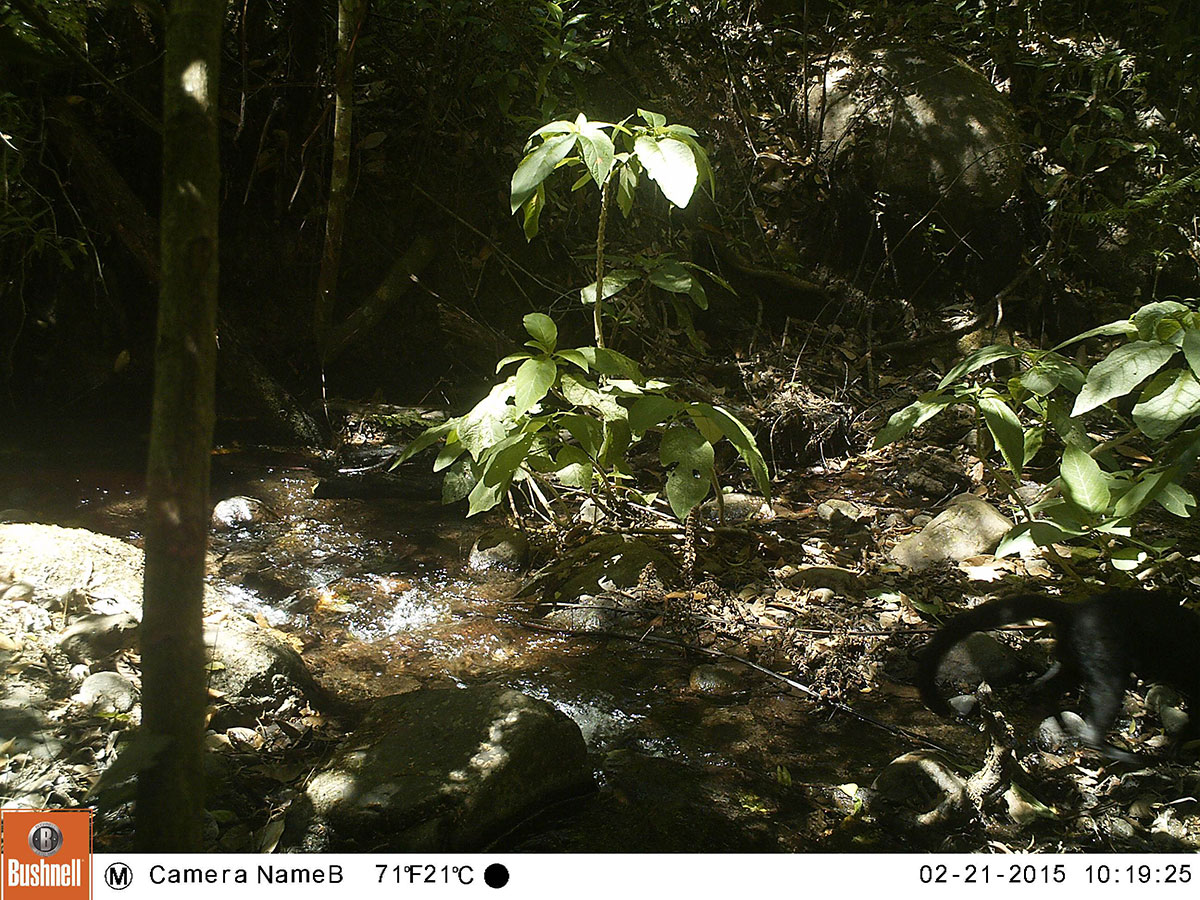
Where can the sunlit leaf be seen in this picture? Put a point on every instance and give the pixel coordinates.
(537, 166)
(671, 164)
(651, 410)
(1120, 372)
(534, 380)
(1006, 428)
(920, 410)
(982, 357)
(542, 329)
(1169, 401)
(1084, 483)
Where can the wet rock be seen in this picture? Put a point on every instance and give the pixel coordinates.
(93, 637)
(108, 692)
(968, 527)
(254, 671)
(237, 512)
(977, 658)
(587, 613)
(410, 481)
(445, 770)
(844, 513)
(610, 563)
(1057, 733)
(1165, 702)
(714, 681)
(503, 549)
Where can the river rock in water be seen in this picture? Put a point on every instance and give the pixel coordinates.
(445, 770)
(503, 549)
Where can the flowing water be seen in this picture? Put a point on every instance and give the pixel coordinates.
(375, 593)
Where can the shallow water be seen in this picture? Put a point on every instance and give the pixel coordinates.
(375, 593)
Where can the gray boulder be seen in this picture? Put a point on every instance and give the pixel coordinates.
(968, 527)
(446, 770)
(920, 125)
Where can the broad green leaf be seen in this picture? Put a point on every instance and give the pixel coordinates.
(1128, 559)
(671, 164)
(982, 357)
(1170, 400)
(651, 410)
(655, 120)
(574, 357)
(704, 170)
(533, 212)
(598, 153)
(450, 452)
(1034, 438)
(902, 422)
(484, 497)
(542, 329)
(519, 356)
(1176, 500)
(581, 392)
(562, 126)
(626, 188)
(610, 362)
(1144, 490)
(1029, 536)
(1064, 516)
(1084, 483)
(1112, 328)
(574, 468)
(537, 166)
(672, 277)
(1149, 317)
(614, 282)
(504, 459)
(1006, 428)
(534, 380)
(459, 481)
(1048, 372)
(490, 421)
(427, 438)
(741, 438)
(690, 479)
(617, 438)
(1070, 431)
(1120, 372)
(1191, 350)
(587, 431)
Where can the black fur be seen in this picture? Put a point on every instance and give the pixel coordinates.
(1099, 642)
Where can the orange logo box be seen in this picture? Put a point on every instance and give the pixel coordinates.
(46, 854)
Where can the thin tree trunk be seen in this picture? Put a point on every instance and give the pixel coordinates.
(349, 16)
(170, 798)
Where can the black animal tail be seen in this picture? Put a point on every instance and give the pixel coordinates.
(992, 614)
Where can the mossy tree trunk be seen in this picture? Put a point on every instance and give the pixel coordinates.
(170, 797)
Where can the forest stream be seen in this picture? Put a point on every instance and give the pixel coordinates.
(376, 596)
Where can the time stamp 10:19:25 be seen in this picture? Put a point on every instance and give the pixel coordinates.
(1056, 873)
